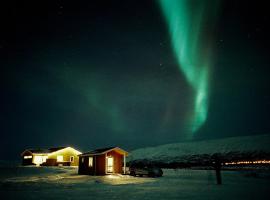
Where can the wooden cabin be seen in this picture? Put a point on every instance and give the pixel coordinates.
(59, 156)
(103, 161)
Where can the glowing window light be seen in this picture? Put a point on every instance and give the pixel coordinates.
(90, 162)
(27, 157)
(39, 159)
(110, 164)
(59, 158)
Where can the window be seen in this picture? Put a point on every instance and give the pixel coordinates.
(110, 164)
(71, 159)
(27, 157)
(90, 162)
(82, 159)
(38, 159)
(44, 158)
(60, 158)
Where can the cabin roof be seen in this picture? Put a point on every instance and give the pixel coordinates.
(100, 150)
(43, 151)
(39, 150)
(103, 151)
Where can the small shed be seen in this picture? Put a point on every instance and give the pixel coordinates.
(103, 161)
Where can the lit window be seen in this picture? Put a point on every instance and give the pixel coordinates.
(44, 158)
(27, 157)
(60, 158)
(90, 163)
(39, 159)
(82, 159)
(109, 164)
(71, 159)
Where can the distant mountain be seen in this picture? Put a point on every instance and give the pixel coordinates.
(233, 148)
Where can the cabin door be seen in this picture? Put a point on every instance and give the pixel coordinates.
(109, 164)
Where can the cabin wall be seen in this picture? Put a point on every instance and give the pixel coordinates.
(66, 153)
(98, 167)
(84, 167)
(100, 164)
(27, 161)
(117, 161)
(36, 159)
(50, 162)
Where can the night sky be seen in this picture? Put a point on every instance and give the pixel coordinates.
(105, 72)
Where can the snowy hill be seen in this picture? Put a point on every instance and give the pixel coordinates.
(247, 147)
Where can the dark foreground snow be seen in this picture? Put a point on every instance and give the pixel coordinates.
(64, 183)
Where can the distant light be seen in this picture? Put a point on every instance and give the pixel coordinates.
(248, 162)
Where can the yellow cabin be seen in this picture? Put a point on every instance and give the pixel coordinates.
(59, 156)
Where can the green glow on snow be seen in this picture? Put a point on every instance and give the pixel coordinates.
(189, 23)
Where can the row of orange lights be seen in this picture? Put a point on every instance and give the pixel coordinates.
(249, 162)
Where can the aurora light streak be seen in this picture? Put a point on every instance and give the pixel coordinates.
(190, 24)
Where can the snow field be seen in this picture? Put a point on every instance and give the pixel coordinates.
(65, 183)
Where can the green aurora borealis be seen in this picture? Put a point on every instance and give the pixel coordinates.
(186, 20)
(133, 74)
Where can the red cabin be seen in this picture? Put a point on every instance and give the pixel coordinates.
(103, 161)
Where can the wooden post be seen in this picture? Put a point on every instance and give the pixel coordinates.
(106, 164)
(124, 163)
(95, 164)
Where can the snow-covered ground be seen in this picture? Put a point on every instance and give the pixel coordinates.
(64, 183)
